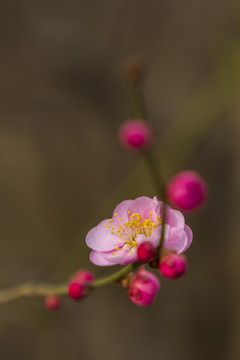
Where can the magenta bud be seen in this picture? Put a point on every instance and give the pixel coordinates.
(83, 277)
(173, 266)
(76, 291)
(135, 134)
(143, 288)
(52, 302)
(145, 251)
(187, 190)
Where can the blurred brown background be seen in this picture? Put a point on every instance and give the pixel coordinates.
(62, 170)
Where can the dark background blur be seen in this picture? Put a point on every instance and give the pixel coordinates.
(62, 170)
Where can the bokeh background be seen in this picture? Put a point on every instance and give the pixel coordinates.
(62, 170)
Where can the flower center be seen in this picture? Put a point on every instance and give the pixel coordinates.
(133, 227)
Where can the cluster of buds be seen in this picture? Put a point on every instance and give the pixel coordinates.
(145, 285)
(142, 287)
(78, 288)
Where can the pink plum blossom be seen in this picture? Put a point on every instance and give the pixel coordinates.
(116, 240)
(143, 288)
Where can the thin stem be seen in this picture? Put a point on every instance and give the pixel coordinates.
(137, 108)
(160, 246)
(157, 177)
(32, 290)
(153, 166)
(108, 280)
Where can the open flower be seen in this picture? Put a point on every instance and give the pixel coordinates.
(115, 241)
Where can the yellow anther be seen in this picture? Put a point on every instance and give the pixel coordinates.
(120, 219)
(117, 248)
(113, 227)
(157, 217)
(105, 225)
(130, 253)
(110, 221)
(116, 214)
(129, 212)
(108, 227)
(112, 232)
(113, 253)
(150, 214)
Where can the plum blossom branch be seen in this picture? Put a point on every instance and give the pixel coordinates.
(42, 290)
(134, 223)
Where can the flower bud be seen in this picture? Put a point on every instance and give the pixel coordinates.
(52, 302)
(187, 190)
(173, 266)
(145, 251)
(143, 288)
(76, 291)
(135, 134)
(83, 277)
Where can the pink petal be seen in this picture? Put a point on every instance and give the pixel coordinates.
(130, 257)
(141, 238)
(99, 258)
(174, 218)
(143, 206)
(122, 211)
(101, 239)
(189, 233)
(116, 256)
(155, 237)
(177, 240)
